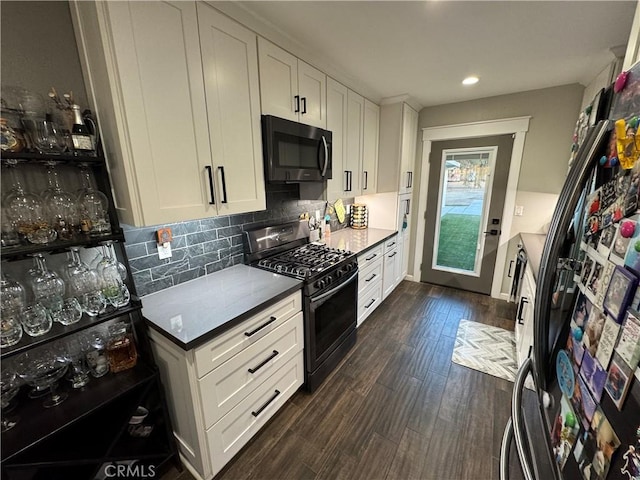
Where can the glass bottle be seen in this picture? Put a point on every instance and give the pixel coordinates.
(60, 206)
(97, 355)
(13, 301)
(25, 210)
(121, 348)
(48, 288)
(93, 208)
(83, 283)
(113, 288)
(80, 134)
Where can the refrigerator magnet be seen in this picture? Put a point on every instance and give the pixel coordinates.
(620, 292)
(564, 372)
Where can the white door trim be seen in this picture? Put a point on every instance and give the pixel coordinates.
(517, 126)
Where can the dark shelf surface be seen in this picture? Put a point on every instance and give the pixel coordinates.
(19, 252)
(60, 331)
(37, 423)
(42, 158)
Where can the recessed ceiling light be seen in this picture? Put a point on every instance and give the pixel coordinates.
(470, 80)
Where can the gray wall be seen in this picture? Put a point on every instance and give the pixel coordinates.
(39, 48)
(553, 114)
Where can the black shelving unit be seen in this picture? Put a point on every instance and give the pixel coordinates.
(89, 430)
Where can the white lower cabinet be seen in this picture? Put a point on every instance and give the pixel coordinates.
(524, 315)
(221, 393)
(392, 266)
(370, 276)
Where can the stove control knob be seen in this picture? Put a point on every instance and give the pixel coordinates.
(329, 279)
(339, 273)
(349, 267)
(320, 284)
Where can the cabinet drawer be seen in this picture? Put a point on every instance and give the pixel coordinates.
(390, 243)
(369, 300)
(223, 347)
(227, 385)
(237, 427)
(370, 256)
(369, 275)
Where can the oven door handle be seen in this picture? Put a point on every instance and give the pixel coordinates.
(338, 288)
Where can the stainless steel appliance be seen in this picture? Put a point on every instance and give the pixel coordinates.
(330, 290)
(295, 152)
(576, 422)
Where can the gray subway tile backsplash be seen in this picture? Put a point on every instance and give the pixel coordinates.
(205, 246)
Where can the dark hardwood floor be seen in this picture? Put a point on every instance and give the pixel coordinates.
(396, 407)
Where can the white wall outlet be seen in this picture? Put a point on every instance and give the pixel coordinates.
(519, 210)
(164, 250)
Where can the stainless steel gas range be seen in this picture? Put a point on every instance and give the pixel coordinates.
(330, 291)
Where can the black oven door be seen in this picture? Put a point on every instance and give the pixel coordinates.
(331, 318)
(295, 152)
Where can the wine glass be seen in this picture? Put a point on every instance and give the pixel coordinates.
(25, 210)
(9, 387)
(43, 371)
(93, 207)
(60, 206)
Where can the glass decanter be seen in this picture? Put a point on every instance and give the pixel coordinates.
(13, 300)
(121, 348)
(9, 387)
(60, 206)
(93, 207)
(48, 288)
(113, 287)
(25, 210)
(83, 283)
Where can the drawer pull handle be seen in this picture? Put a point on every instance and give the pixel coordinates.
(391, 244)
(371, 257)
(264, 362)
(393, 254)
(268, 322)
(371, 278)
(373, 300)
(266, 404)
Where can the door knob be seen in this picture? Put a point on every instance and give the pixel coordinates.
(492, 232)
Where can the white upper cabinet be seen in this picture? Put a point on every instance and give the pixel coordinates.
(353, 160)
(398, 136)
(290, 88)
(161, 125)
(371, 129)
(230, 63)
(337, 124)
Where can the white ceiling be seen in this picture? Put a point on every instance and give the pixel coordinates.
(425, 48)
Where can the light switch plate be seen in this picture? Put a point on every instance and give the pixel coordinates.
(164, 250)
(519, 210)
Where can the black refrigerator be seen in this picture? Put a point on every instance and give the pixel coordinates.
(575, 410)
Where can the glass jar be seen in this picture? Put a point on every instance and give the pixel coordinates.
(121, 348)
(97, 355)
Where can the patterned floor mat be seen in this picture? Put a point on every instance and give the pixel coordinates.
(487, 349)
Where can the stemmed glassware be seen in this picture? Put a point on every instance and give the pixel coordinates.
(9, 387)
(43, 372)
(25, 211)
(93, 207)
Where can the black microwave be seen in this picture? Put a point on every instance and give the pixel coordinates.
(294, 152)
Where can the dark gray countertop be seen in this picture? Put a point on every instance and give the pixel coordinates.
(192, 313)
(533, 244)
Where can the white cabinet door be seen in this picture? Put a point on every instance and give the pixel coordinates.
(337, 124)
(278, 81)
(408, 151)
(404, 231)
(145, 79)
(353, 160)
(371, 130)
(290, 88)
(524, 315)
(312, 88)
(391, 271)
(230, 63)
(398, 135)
